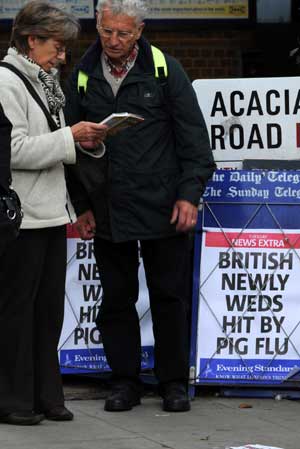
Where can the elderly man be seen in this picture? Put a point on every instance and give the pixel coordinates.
(145, 188)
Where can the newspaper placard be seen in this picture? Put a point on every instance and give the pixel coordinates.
(248, 314)
(249, 306)
(80, 346)
(83, 9)
(254, 118)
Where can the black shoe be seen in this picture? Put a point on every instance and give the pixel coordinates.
(59, 413)
(25, 418)
(175, 397)
(123, 397)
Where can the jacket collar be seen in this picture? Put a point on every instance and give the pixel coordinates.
(91, 59)
(25, 66)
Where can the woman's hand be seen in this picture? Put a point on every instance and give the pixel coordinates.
(91, 134)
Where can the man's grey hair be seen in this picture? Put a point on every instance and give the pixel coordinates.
(134, 8)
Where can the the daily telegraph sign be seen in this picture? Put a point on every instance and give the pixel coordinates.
(251, 118)
(255, 186)
(248, 328)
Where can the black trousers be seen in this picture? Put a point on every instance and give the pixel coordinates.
(167, 266)
(32, 284)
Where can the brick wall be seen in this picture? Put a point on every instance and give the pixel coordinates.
(211, 52)
(205, 54)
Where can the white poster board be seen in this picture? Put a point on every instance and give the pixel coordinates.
(251, 118)
(248, 316)
(83, 9)
(80, 346)
(198, 9)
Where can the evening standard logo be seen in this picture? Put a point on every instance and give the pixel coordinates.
(89, 358)
(257, 368)
(70, 359)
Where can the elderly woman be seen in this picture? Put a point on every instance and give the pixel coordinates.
(32, 269)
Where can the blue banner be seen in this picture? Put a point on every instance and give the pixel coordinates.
(260, 371)
(83, 361)
(254, 186)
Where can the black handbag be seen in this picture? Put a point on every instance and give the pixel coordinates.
(10, 215)
(10, 207)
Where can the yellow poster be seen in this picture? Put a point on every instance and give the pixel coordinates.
(201, 9)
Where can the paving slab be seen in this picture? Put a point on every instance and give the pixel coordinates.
(213, 423)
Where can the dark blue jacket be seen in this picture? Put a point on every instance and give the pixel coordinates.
(149, 166)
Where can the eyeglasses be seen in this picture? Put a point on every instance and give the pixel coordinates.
(107, 33)
(60, 50)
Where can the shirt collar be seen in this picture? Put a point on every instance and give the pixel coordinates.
(119, 72)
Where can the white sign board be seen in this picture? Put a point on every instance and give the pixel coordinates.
(84, 9)
(251, 118)
(80, 347)
(248, 317)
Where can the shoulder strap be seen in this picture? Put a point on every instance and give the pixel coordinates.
(161, 73)
(52, 125)
(161, 68)
(82, 82)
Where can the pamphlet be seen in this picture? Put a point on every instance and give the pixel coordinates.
(118, 121)
(254, 446)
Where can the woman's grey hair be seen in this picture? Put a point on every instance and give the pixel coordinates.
(134, 8)
(45, 21)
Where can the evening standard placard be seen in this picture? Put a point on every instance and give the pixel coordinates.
(251, 118)
(80, 346)
(83, 9)
(249, 310)
(201, 9)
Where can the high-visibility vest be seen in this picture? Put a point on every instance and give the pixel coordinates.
(161, 70)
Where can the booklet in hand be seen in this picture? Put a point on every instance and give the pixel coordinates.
(118, 121)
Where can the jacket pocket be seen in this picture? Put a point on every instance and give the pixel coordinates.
(155, 190)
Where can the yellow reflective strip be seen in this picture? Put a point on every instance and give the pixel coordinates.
(82, 80)
(159, 61)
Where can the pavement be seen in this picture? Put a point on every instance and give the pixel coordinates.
(214, 422)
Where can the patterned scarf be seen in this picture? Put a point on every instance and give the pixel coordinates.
(53, 91)
(55, 96)
(126, 65)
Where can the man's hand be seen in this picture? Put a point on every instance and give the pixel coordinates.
(86, 225)
(185, 215)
